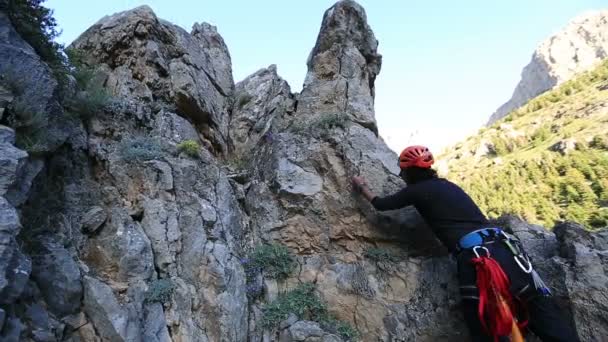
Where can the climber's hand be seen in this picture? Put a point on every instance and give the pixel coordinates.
(359, 183)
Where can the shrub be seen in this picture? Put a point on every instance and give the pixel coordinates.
(273, 261)
(301, 301)
(189, 147)
(160, 291)
(540, 135)
(599, 142)
(321, 124)
(90, 97)
(89, 102)
(26, 117)
(380, 255)
(243, 100)
(304, 302)
(499, 146)
(140, 149)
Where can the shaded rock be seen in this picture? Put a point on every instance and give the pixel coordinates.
(75, 321)
(2, 317)
(40, 323)
(87, 333)
(15, 267)
(586, 277)
(93, 219)
(7, 135)
(35, 88)
(12, 329)
(342, 67)
(58, 277)
(11, 160)
(107, 315)
(6, 98)
(19, 192)
(155, 326)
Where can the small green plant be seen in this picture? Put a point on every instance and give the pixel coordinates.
(89, 102)
(599, 142)
(380, 255)
(304, 302)
(540, 135)
(274, 260)
(160, 291)
(321, 123)
(189, 147)
(140, 149)
(26, 117)
(243, 100)
(499, 146)
(90, 96)
(301, 301)
(331, 120)
(344, 329)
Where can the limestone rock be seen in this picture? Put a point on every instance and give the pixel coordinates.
(261, 100)
(93, 219)
(35, 89)
(18, 192)
(58, 277)
(342, 67)
(11, 160)
(15, 267)
(148, 59)
(101, 306)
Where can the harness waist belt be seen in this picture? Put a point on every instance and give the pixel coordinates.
(479, 237)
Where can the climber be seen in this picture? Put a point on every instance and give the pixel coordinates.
(500, 291)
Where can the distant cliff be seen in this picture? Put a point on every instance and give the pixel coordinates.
(576, 48)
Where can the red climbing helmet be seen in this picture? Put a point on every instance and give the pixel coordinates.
(418, 156)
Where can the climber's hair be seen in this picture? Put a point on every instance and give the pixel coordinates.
(413, 175)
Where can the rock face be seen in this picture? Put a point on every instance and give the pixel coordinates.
(342, 67)
(576, 48)
(118, 235)
(151, 60)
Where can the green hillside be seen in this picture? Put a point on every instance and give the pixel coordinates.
(546, 161)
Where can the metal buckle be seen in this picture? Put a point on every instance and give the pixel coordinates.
(529, 269)
(481, 247)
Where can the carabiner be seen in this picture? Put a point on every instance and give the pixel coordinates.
(482, 247)
(522, 266)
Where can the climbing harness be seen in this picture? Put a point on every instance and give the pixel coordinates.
(497, 306)
(489, 236)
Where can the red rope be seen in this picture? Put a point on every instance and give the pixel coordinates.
(496, 305)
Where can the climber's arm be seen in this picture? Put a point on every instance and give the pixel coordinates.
(398, 200)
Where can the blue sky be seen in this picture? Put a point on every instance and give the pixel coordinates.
(447, 65)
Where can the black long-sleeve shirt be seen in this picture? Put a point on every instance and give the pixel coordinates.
(446, 208)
